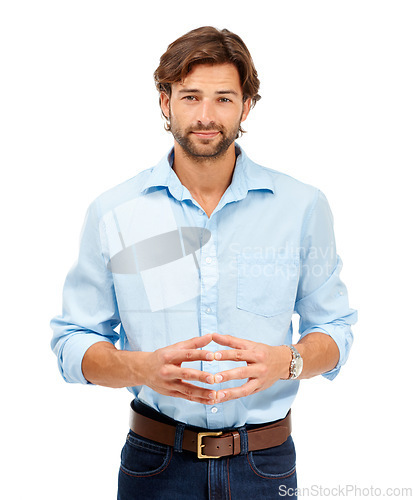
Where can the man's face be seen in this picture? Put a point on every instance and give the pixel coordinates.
(206, 109)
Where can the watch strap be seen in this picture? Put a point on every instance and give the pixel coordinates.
(296, 365)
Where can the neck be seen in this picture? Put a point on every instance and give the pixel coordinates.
(205, 178)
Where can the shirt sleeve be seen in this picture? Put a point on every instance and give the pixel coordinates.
(90, 312)
(322, 299)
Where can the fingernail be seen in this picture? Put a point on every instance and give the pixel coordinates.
(218, 355)
(211, 395)
(210, 356)
(220, 396)
(218, 378)
(210, 379)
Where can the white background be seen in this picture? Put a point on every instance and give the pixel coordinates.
(79, 114)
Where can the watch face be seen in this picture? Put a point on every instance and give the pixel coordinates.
(298, 366)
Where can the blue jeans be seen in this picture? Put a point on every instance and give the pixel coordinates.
(150, 470)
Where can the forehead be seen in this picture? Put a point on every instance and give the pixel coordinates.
(211, 77)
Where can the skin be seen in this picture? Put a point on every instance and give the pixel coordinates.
(205, 111)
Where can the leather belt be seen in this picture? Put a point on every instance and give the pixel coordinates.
(212, 444)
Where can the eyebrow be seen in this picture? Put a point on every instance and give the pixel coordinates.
(198, 91)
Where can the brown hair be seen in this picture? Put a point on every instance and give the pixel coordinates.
(207, 45)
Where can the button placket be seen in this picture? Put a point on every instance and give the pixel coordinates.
(208, 267)
(209, 277)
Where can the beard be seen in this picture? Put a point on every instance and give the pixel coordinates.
(204, 149)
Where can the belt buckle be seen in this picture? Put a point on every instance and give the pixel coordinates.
(201, 435)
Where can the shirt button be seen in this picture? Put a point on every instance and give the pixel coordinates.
(208, 260)
(214, 409)
(208, 310)
(200, 211)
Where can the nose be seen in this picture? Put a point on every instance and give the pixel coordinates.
(206, 113)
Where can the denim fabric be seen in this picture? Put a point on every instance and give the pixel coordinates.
(150, 470)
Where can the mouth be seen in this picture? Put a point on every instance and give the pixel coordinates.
(206, 135)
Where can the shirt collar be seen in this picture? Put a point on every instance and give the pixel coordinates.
(247, 176)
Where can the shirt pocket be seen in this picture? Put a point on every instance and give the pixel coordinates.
(267, 286)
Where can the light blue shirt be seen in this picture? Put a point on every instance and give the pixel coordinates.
(154, 270)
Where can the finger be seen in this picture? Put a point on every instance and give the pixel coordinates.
(238, 392)
(193, 393)
(236, 355)
(194, 343)
(230, 341)
(173, 372)
(178, 356)
(238, 373)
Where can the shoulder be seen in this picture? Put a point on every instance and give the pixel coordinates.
(120, 194)
(288, 188)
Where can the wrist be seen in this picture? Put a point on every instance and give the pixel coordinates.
(295, 364)
(286, 358)
(136, 366)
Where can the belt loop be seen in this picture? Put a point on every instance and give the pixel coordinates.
(244, 440)
(179, 435)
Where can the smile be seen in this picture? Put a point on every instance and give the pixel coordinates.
(206, 135)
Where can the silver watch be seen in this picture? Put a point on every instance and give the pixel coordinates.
(296, 366)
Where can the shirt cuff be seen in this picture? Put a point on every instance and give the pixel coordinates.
(342, 336)
(71, 356)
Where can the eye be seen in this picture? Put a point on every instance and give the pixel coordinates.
(189, 98)
(224, 99)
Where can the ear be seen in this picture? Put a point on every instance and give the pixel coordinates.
(164, 102)
(246, 109)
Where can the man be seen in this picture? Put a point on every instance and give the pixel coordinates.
(202, 260)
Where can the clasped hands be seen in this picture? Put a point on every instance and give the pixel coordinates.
(265, 365)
